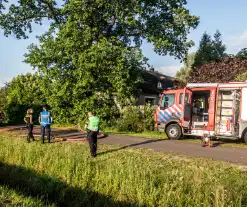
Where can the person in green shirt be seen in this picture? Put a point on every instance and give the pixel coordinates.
(93, 130)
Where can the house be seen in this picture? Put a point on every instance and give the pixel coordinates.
(154, 83)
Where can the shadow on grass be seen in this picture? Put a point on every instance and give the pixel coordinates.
(10, 124)
(51, 190)
(132, 145)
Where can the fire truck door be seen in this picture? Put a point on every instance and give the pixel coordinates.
(187, 108)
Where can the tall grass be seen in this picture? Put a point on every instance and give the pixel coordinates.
(145, 134)
(10, 197)
(61, 174)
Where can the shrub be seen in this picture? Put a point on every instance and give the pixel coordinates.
(15, 113)
(148, 118)
(136, 119)
(242, 77)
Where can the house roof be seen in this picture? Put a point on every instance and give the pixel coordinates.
(152, 78)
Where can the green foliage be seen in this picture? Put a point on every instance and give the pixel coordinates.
(22, 14)
(212, 64)
(165, 25)
(209, 50)
(130, 119)
(242, 54)
(219, 51)
(3, 98)
(204, 52)
(2, 8)
(134, 118)
(90, 81)
(23, 92)
(242, 77)
(92, 50)
(184, 72)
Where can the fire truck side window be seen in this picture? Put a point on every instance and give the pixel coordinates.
(181, 98)
(168, 100)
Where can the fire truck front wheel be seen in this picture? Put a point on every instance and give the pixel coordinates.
(173, 131)
(245, 136)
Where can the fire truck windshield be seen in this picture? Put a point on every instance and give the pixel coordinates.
(168, 100)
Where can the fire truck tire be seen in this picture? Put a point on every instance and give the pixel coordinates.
(173, 132)
(245, 136)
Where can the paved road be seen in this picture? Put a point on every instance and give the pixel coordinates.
(229, 154)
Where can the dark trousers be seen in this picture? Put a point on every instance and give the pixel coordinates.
(92, 140)
(46, 129)
(30, 132)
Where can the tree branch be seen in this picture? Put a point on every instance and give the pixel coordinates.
(52, 11)
(113, 21)
(28, 18)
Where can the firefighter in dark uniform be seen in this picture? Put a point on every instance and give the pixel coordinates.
(93, 130)
(29, 122)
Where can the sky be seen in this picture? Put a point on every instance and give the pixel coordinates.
(229, 17)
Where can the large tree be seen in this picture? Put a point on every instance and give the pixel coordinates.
(23, 92)
(3, 98)
(92, 49)
(184, 72)
(219, 51)
(242, 54)
(209, 49)
(165, 24)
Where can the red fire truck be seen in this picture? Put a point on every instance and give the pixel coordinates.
(216, 109)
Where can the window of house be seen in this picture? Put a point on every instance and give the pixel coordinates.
(168, 100)
(150, 101)
(159, 85)
(181, 98)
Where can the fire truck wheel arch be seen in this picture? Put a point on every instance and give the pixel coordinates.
(244, 135)
(173, 131)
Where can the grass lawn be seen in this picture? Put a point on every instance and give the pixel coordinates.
(148, 134)
(61, 174)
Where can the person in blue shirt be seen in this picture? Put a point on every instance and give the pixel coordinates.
(45, 120)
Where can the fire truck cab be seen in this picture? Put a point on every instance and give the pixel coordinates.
(216, 109)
